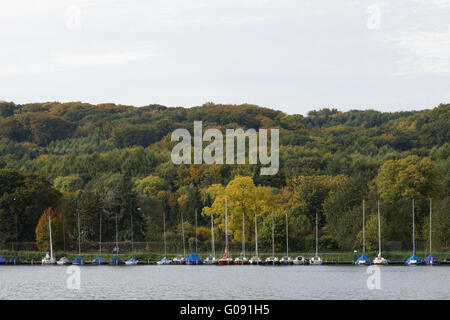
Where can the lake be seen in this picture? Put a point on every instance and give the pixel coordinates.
(225, 282)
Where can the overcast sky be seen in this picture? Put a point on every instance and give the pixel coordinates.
(290, 55)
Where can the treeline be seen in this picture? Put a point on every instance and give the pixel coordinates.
(103, 161)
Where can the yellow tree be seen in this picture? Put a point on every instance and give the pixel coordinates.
(411, 177)
(244, 200)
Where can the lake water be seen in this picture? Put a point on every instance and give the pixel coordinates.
(225, 282)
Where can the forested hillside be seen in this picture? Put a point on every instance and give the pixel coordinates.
(107, 159)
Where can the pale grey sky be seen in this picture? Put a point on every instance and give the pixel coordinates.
(289, 55)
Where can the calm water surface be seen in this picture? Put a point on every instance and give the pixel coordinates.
(225, 282)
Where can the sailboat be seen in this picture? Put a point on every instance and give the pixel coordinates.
(379, 259)
(242, 259)
(193, 258)
(99, 260)
(211, 259)
(255, 259)
(286, 259)
(272, 259)
(430, 259)
(164, 260)
(226, 259)
(132, 260)
(48, 259)
(181, 259)
(363, 260)
(78, 260)
(116, 260)
(413, 260)
(316, 260)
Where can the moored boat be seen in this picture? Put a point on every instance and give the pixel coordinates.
(299, 260)
(286, 260)
(225, 259)
(430, 260)
(164, 261)
(413, 260)
(363, 260)
(193, 259)
(48, 259)
(210, 260)
(15, 261)
(179, 260)
(78, 261)
(379, 260)
(316, 260)
(98, 261)
(255, 260)
(131, 261)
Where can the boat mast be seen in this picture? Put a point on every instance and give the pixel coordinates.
(273, 238)
(256, 236)
(364, 229)
(317, 237)
(213, 247)
(50, 233)
(79, 233)
(196, 232)
(117, 239)
(287, 236)
(164, 228)
(226, 229)
(379, 230)
(100, 231)
(182, 234)
(430, 226)
(243, 235)
(132, 242)
(414, 229)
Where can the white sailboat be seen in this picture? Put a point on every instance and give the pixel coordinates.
(316, 260)
(413, 260)
(226, 259)
(211, 259)
(272, 259)
(48, 259)
(132, 260)
(164, 260)
(286, 259)
(242, 259)
(255, 259)
(379, 259)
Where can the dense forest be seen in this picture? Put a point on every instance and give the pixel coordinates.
(107, 160)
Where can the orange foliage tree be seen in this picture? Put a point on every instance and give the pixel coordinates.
(58, 225)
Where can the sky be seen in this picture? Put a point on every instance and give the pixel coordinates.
(289, 55)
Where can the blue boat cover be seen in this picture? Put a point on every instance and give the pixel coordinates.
(15, 260)
(165, 260)
(115, 260)
(132, 259)
(193, 258)
(363, 258)
(99, 260)
(2, 260)
(413, 257)
(78, 260)
(430, 260)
